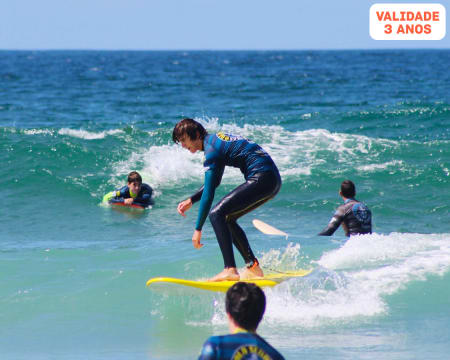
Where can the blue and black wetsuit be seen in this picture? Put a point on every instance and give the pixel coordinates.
(262, 183)
(355, 217)
(242, 346)
(143, 198)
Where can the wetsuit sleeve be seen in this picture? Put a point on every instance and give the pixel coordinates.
(334, 223)
(213, 176)
(122, 192)
(109, 196)
(197, 196)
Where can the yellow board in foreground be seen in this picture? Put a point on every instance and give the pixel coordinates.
(269, 280)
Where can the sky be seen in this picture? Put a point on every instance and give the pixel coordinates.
(195, 25)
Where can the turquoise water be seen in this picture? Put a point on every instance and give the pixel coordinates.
(73, 272)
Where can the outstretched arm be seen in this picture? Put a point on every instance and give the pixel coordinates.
(185, 205)
(212, 180)
(332, 226)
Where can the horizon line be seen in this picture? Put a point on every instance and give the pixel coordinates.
(224, 49)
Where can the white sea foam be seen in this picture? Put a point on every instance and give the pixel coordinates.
(296, 154)
(88, 135)
(162, 165)
(173, 163)
(282, 260)
(81, 134)
(38, 132)
(353, 282)
(375, 167)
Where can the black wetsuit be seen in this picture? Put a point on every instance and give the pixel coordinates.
(262, 183)
(355, 216)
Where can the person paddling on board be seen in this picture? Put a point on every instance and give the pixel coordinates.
(135, 192)
(354, 216)
(262, 182)
(245, 304)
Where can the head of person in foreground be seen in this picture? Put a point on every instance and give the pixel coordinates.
(245, 304)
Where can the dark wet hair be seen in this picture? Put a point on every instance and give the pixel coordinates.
(246, 303)
(134, 177)
(348, 189)
(188, 127)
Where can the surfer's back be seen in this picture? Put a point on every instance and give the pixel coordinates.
(236, 346)
(245, 304)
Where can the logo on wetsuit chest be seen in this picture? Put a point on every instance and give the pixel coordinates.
(228, 137)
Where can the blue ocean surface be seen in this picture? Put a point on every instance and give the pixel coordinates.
(73, 124)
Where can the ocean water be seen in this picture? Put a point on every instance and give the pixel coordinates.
(73, 272)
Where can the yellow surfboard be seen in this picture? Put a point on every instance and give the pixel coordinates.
(268, 280)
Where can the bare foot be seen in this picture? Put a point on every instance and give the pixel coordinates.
(226, 274)
(252, 273)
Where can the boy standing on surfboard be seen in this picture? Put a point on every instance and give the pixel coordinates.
(262, 182)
